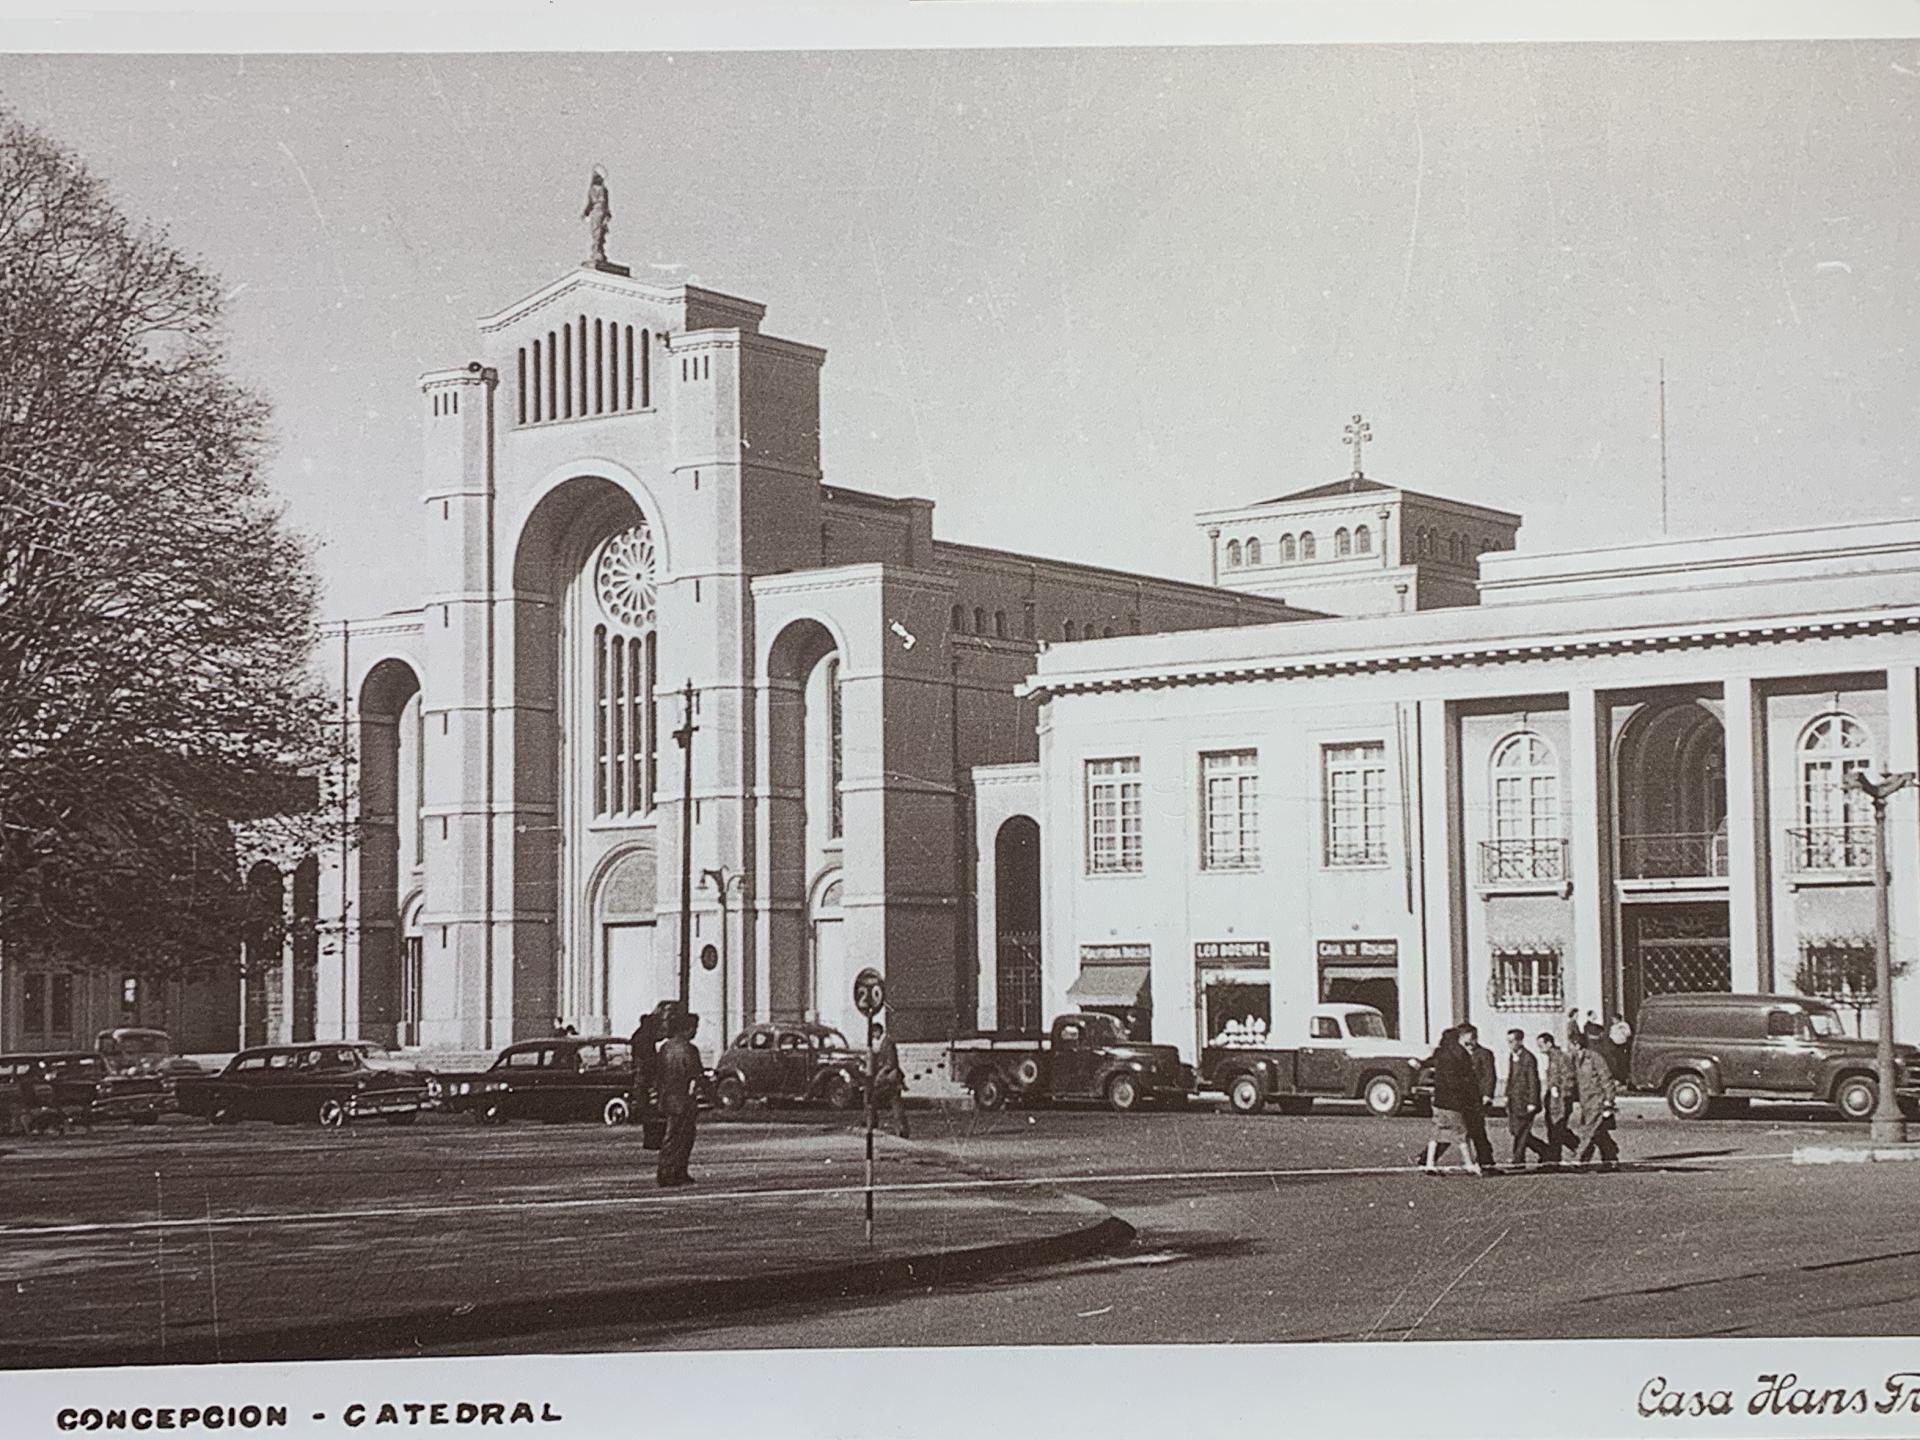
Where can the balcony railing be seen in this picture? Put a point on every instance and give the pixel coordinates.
(1517, 862)
(1672, 857)
(1820, 849)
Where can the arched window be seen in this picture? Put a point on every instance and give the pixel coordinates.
(1453, 546)
(979, 620)
(1342, 543)
(1253, 552)
(1362, 540)
(622, 667)
(1066, 630)
(1425, 541)
(836, 751)
(1233, 554)
(1527, 837)
(1836, 818)
(1306, 545)
(1106, 632)
(959, 619)
(1000, 624)
(1289, 550)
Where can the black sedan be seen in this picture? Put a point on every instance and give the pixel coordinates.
(572, 1077)
(78, 1084)
(328, 1082)
(790, 1060)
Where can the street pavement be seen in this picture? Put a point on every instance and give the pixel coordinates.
(1276, 1228)
(172, 1242)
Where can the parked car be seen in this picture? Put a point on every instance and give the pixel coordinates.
(139, 1049)
(81, 1086)
(328, 1081)
(1342, 1052)
(1085, 1056)
(790, 1060)
(572, 1077)
(1712, 1053)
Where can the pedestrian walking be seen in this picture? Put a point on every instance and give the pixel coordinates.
(1485, 1079)
(1523, 1099)
(645, 1044)
(681, 1081)
(889, 1080)
(1562, 1086)
(1598, 1093)
(1456, 1090)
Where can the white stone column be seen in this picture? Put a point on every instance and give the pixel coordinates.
(1903, 844)
(1429, 995)
(1589, 847)
(1749, 866)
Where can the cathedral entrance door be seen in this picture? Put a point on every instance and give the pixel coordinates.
(635, 978)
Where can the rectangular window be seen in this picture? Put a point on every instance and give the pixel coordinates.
(1113, 816)
(1230, 806)
(61, 993)
(1526, 979)
(1355, 791)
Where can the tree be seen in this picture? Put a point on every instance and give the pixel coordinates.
(156, 617)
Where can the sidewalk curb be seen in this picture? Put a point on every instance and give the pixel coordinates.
(1854, 1154)
(399, 1336)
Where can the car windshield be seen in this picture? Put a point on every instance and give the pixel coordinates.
(143, 1045)
(833, 1040)
(1367, 1025)
(1826, 1024)
(1104, 1030)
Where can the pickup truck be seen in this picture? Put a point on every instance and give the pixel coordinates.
(1083, 1057)
(1344, 1053)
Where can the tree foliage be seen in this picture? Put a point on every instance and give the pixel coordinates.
(156, 617)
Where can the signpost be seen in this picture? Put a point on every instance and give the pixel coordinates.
(870, 998)
(1888, 1125)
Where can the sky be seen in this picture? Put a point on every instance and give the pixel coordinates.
(1076, 295)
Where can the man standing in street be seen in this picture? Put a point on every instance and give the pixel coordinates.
(1562, 1085)
(1485, 1079)
(645, 1045)
(681, 1080)
(1597, 1095)
(889, 1080)
(1523, 1098)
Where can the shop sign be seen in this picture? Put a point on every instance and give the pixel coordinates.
(1111, 954)
(1232, 952)
(1383, 953)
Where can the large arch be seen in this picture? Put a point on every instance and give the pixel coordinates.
(800, 671)
(1671, 764)
(559, 964)
(388, 809)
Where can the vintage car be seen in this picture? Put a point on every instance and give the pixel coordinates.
(327, 1081)
(139, 1049)
(570, 1077)
(79, 1084)
(1340, 1052)
(790, 1060)
(1085, 1056)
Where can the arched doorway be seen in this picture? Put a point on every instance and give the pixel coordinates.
(829, 976)
(803, 816)
(1672, 822)
(1016, 889)
(586, 739)
(387, 838)
(413, 986)
(631, 976)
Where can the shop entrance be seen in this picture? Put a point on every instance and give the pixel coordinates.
(1674, 948)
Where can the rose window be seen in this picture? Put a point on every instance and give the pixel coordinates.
(624, 579)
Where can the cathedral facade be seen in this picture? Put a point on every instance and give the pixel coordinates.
(650, 629)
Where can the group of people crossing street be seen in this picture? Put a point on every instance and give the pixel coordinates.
(1576, 1094)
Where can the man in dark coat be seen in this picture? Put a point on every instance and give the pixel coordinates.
(1562, 1086)
(681, 1080)
(1523, 1098)
(1597, 1103)
(1485, 1079)
(889, 1080)
(646, 1060)
(1456, 1097)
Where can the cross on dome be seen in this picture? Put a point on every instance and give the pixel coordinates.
(1357, 434)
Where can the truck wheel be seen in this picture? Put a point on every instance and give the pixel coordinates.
(1123, 1093)
(1026, 1074)
(1858, 1096)
(1687, 1096)
(1246, 1095)
(989, 1092)
(1383, 1095)
(617, 1111)
(731, 1094)
(333, 1114)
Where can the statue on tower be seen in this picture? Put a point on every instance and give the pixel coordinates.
(597, 214)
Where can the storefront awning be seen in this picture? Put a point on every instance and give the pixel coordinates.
(1121, 984)
(1355, 970)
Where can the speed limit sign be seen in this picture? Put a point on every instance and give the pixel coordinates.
(870, 992)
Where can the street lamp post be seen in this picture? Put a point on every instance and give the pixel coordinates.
(722, 880)
(1888, 1124)
(684, 737)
